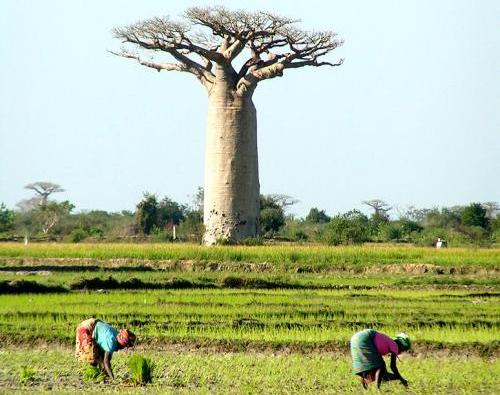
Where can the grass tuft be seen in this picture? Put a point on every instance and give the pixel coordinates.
(93, 374)
(26, 375)
(141, 369)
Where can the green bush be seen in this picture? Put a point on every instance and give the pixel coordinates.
(26, 375)
(93, 374)
(296, 231)
(77, 235)
(161, 235)
(192, 228)
(271, 219)
(141, 369)
(7, 218)
(317, 216)
(390, 231)
(495, 224)
(476, 234)
(495, 236)
(400, 230)
(474, 215)
(348, 228)
(97, 233)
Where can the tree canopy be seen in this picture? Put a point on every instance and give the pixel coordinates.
(43, 189)
(209, 36)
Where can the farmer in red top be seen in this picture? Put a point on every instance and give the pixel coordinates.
(96, 341)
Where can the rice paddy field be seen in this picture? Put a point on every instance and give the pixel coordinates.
(263, 319)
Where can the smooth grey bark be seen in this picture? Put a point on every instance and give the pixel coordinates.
(231, 200)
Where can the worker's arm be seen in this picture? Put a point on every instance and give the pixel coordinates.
(394, 368)
(107, 364)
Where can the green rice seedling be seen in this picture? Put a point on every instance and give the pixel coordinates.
(93, 374)
(242, 372)
(26, 375)
(436, 318)
(141, 369)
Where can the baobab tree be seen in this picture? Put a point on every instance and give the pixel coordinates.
(206, 44)
(43, 190)
(379, 216)
(381, 208)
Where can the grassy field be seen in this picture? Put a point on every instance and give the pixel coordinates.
(282, 257)
(232, 319)
(266, 319)
(247, 373)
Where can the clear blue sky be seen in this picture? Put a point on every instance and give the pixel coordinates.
(412, 117)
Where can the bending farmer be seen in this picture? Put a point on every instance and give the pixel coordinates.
(367, 350)
(96, 341)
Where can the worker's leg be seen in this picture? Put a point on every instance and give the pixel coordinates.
(380, 374)
(363, 382)
(389, 377)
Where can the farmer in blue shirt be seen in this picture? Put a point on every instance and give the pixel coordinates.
(96, 341)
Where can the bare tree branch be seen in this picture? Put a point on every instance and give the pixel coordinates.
(156, 66)
(274, 43)
(380, 207)
(163, 35)
(44, 189)
(312, 63)
(303, 49)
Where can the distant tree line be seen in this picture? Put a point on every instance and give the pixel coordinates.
(164, 220)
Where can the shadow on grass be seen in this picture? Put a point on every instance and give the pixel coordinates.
(24, 286)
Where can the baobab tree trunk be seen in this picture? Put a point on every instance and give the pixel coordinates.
(231, 201)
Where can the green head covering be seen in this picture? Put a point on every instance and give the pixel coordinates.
(403, 340)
